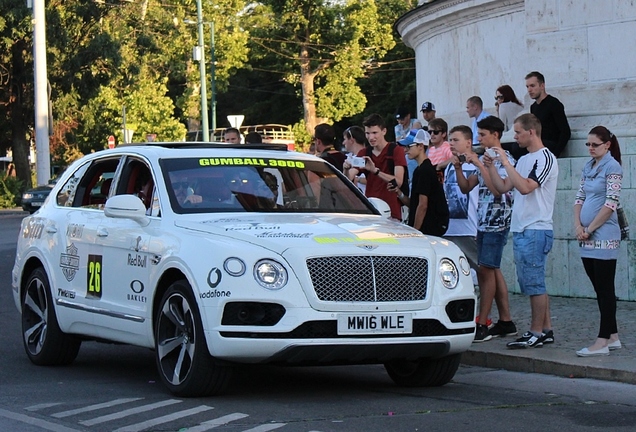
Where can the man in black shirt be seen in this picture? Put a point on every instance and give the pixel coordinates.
(550, 112)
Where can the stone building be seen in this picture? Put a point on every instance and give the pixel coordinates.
(585, 49)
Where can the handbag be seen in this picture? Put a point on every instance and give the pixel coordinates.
(622, 222)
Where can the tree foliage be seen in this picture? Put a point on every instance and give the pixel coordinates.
(324, 47)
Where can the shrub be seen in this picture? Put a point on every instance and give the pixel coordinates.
(10, 188)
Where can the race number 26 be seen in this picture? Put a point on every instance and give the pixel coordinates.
(94, 276)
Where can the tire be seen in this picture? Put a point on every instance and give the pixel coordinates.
(427, 372)
(186, 367)
(45, 344)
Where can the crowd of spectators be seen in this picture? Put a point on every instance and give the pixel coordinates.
(477, 183)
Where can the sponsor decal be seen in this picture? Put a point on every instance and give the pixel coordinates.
(269, 234)
(137, 288)
(223, 220)
(252, 227)
(75, 231)
(33, 229)
(94, 277)
(368, 247)
(136, 260)
(252, 162)
(214, 278)
(215, 294)
(405, 234)
(137, 246)
(329, 240)
(69, 262)
(65, 293)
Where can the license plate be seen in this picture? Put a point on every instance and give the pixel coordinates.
(391, 323)
(36, 203)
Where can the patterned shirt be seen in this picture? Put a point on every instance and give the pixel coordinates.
(600, 187)
(494, 212)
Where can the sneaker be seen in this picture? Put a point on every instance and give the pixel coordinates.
(547, 338)
(488, 321)
(503, 328)
(481, 334)
(528, 340)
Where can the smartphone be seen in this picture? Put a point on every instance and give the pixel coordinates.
(393, 183)
(462, 158)
(358, 162)
(490, 152)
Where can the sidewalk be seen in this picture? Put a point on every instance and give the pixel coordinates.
(13, 212)
(575, 322)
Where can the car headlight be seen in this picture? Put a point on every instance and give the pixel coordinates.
(270, 274)
(448, 273)
(27, 195)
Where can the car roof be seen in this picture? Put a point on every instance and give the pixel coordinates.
(195, 149)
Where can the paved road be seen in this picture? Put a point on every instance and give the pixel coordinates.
(116, 388)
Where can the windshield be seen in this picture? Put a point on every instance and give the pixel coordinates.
(203, 185)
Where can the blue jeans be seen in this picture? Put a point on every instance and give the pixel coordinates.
(531, 249)
(490, 245)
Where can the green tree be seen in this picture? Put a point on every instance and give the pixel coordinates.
(16, 84)
(324, 47)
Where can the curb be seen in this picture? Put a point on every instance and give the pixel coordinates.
(574, 368)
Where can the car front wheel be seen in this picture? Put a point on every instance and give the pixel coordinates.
(427, 372)
(44, 342)
(182, 356)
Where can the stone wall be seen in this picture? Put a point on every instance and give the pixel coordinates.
(585, 50)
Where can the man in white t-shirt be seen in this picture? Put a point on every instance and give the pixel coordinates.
(534, 181)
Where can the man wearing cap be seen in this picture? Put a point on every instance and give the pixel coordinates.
(428, 112)
(325, 140)
(428, 210)
(404, 123)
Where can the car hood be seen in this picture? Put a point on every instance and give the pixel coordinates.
(337, 232)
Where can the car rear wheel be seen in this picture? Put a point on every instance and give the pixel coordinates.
(428, 372)
(44, 342)
(185, 365)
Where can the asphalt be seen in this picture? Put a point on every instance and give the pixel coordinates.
(575, 323)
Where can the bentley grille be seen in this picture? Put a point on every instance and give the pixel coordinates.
(369, 278)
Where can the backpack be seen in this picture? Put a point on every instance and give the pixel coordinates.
(391, 166)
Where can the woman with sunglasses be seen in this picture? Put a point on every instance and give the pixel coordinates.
(508, 106)
(598, 232)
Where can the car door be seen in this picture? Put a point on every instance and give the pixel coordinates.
(78, 214)
(122, 259)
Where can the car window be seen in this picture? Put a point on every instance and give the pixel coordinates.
(136, 179)
(264, 185)
(89, 186)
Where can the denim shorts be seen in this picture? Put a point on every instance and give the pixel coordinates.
(531, 249)
(490, 245)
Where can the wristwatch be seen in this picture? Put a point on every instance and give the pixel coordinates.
(377, 171)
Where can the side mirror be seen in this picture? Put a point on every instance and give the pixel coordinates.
(381, 206)
(126, 207)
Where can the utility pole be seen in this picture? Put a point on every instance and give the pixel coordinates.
(43, 153)
(205, 130)
(213, 74)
